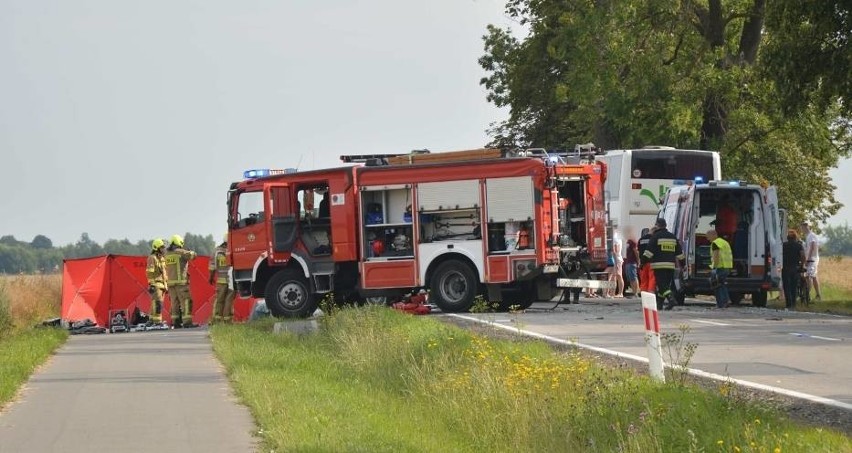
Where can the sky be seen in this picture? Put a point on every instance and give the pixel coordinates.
(130, 119)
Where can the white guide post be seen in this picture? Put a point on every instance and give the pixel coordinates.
(652, 336)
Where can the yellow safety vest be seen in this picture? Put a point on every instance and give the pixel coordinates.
(176, 265)
(156, 271)
(726, 258)
(219, 263)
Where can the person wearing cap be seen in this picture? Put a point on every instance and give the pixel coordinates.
(155, 271)
(792, 263)
(721, 264)
(663, 253)
(223, 307)
(811, 259)
(177, 263)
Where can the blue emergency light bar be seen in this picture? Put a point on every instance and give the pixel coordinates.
(264, 172)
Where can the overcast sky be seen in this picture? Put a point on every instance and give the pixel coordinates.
(130, 119)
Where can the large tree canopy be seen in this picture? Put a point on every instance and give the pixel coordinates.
(692, 74)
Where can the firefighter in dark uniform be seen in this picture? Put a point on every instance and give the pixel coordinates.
(177, 261)
(663, 253)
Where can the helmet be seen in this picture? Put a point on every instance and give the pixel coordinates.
(157, 243)
(177, 240)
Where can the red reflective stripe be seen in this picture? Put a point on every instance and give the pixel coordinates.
(652, 320)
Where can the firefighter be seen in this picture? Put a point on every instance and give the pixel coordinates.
(664, 253)
(156, 273)
(223, 308)
(177, 259)
(646, 275)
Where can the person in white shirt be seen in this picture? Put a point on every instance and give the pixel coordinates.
(618, 265)
(811, 259)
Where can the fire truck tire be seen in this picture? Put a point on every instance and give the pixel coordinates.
(453, 287)
(758, 299)
(736, 298)
(519, 298)
(288, 295)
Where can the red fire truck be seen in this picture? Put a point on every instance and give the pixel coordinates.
(459, 224)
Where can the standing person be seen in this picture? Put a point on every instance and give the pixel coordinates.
(721, 263)
(811, 259)
(223, 308)
(663, 253)
(792, 263)
(646, 275)
(631, 266)
(157, 279)
(177, 259)
(618, 265)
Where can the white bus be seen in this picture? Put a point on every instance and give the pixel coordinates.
(637, 179)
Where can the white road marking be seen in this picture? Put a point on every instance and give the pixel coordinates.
(712, 323)
(692, 371)
(816, 337)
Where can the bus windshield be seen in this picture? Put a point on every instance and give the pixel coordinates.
(659, 164)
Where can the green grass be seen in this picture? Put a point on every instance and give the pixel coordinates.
(835, 300)
(376, 380)
(21, 352)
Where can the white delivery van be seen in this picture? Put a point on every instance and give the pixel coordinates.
(747, 216)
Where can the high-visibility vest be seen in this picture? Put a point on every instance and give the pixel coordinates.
(219, 263)
(176, 264)
(726, 258)
(156, 271)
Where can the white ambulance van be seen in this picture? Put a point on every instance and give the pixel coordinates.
(747, 216)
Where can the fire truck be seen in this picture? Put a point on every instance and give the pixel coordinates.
(513, 227)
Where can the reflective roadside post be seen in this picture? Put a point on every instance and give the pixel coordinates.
(652, 336)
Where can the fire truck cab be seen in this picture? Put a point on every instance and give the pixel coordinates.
(459, 224)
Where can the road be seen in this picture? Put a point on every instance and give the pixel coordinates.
(157, 391)
(791, 351)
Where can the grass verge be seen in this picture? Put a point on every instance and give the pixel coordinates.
(25, 300)
(21, 353)
(373, 379)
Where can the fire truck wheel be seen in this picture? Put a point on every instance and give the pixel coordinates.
(288, 295)
(453, 287)
(519, 298)
(758, 299)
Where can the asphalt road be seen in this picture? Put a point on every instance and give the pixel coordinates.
(160, 391)
(790, 351)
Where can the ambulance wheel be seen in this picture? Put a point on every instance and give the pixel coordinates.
(288, 295)
(758, 299)
(453, 287)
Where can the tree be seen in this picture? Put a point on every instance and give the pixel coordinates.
(41, 242)
(203, 245)
(9, 240)
(839, 240)
(689, 74)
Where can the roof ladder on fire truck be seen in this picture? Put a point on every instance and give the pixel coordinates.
(376, 159)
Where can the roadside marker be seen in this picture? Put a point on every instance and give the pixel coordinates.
(652, 336)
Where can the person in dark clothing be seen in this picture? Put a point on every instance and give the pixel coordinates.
(631, 267)
(664, 253)
(792, 264)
